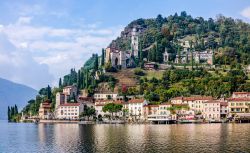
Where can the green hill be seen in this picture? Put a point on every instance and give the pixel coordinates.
(227, 36)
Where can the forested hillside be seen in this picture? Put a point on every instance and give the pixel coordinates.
(229, 37)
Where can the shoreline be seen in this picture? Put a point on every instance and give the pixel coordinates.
(121, 122)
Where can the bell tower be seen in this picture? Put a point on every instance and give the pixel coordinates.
(134, 42)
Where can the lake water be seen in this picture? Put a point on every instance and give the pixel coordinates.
(60, 138)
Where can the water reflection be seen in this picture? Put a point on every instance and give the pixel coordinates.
(124, 138)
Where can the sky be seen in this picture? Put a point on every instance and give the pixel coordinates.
(41, 40)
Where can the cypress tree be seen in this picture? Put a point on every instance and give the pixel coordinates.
(96, 62)
(140, 53)
(179, 55)
(79, 79)
(86, 79)
(9, 114)
(191, 50)
(15, 110)
(49, 92)
(60, 83)
(83, 80)
(103, 58)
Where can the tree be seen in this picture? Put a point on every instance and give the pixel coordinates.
(79, 82)
(60, 83)
(112, 108)
(103, 57)
(49, 92)
(88, 111)
(9, 113)
(96, 63)
(15, 110)
(192, 56)
(179, 55)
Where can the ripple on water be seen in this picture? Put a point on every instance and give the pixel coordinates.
(60, 138)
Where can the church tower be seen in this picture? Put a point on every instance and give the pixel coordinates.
(134, 42)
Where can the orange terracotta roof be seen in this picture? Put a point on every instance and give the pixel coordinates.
(241, 93)
(238, 99)
(198, 98)
(103, 101)
(85, 98)
(136, 101)
(193, 98)
(99, 104)
(166, 103)
(224, 104)
(70, 104)
(151, 106)
(212, 101)
(180, 104)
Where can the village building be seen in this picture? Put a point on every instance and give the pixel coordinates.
(150, 110)
(150, 66)
(158, 113)
(183, 113)
(241, 95)
(64, 97)
(87, 101)
(135, 107)
(69, 111)
(70, 90)
(99, 104)
(105, 95)
(60, 99)
(198, 57)
(212, 110)
(195, 103)
(223, 109)
(121, 58)
(45, 110)
(238, 106)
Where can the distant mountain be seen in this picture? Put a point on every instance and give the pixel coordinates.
(12, 93)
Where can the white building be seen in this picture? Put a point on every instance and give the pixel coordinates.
(70, 90)
(105, 96)
(195, 103)
(212, 110)
(135, 107)
(241, 95)
(69, 111)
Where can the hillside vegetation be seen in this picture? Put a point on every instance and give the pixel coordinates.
(229, 37)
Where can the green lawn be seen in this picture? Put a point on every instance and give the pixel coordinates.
(154, 73)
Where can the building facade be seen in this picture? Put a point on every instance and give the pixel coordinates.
(105, 96)
(238, 106)
(212, 110)
(45, 110)
(70, 111)
(135, 108)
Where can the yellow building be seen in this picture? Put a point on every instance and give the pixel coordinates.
(238, 106)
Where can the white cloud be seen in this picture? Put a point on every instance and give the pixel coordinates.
(246, 12)
(47, 51)
(24, 20)
(19, 66)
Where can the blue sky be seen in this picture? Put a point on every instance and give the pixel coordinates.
(41, 40)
